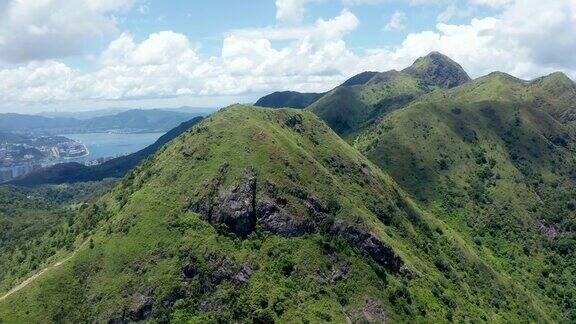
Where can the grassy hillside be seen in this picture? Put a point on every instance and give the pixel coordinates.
(350, 109)
(496, 159)
(262, 215)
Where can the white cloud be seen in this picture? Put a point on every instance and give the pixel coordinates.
(43, 29)
(493, 3)
(291, 11)
(312, 57)
(396, 21)
(452, 11)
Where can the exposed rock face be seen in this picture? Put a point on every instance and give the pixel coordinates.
(237, 205)
(274, 218)
(340, 271)
(234, 207)
(138, 309)
(239, 209)
(369, 244)
(244, 273)
(295, 122)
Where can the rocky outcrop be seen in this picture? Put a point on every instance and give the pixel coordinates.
(274, 218)
(242, 212)
(233, 207)
(373, 311)
(369, 244)
(236, 207)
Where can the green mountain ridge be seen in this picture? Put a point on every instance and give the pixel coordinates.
(350, 109)
(496, 156)
(262, 215)
(300, 100)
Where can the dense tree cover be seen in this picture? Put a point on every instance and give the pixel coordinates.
(37, 224)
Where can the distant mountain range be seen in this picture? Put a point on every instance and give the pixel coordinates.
(130, 121)
(75, 172)
(83, 115)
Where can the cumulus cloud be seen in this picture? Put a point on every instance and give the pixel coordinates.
(44, 29)
(396, 21)
(291, 11)
(313, 57)
(493, 3)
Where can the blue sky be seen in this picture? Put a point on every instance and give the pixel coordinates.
(67, 55)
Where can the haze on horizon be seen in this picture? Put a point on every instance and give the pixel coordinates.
(137, 53)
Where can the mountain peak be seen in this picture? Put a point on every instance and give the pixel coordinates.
(558, 78)
(439, 70)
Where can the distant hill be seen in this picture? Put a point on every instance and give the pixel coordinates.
(288, 99)
(293, 99)
(359, 79)
(361, 99)
(135, 120)
(353, 106)
(83, 115)
(115, 168)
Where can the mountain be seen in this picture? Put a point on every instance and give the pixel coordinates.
(89, 114)
(82, 115)
(290, 99)
(361, 99)
(18, 123)
(115, 168)
(263, 215)
(436, 69)
(293, 99)
(496, 156)
(348, 109)
(352, 107)
(135, 120)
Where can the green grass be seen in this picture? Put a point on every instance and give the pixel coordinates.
(348, 110)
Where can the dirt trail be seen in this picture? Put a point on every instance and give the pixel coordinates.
(35, 276)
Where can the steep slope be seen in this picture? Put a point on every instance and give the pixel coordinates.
(349, 109)
(496, 157)
(115, 168)
(262, 215)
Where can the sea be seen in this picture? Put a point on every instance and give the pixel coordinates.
(105, 145)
